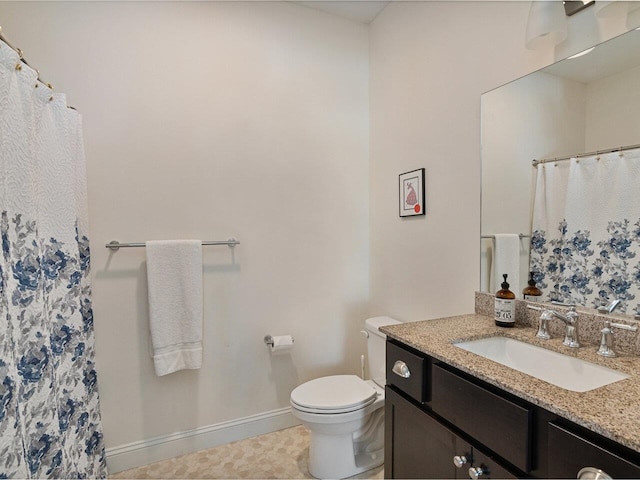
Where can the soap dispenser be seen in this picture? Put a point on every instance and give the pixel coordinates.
(505, 305)
(532, 293)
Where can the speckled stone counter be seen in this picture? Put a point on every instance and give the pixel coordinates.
(612, 411)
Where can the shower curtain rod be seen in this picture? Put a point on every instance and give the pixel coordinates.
(114, 245)
(23, 60)
(535, 162)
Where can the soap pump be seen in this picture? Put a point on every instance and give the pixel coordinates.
(531, 292)
(505, 305)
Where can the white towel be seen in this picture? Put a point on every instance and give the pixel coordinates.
(506, 259)
(174, 275)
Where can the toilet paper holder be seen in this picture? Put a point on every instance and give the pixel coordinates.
(268, 340)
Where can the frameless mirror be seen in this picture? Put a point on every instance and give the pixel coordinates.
(581, 104)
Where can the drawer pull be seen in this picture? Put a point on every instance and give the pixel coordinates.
(400, 368)
(592, 473)
(459, 461)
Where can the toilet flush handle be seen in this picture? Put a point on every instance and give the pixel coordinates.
(366, 335)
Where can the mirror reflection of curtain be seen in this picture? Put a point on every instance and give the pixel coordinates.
(49, 410)
(585, 245)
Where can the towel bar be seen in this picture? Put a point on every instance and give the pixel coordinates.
(114, 245)
(521, 235)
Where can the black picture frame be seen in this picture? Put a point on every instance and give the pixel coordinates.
(411, 189)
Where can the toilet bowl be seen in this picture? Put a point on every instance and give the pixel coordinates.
(344, 414)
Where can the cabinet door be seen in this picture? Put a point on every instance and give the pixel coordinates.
(417, 445)
(491, 419)
(569, 453)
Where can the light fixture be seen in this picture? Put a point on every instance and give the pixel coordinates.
(584, 52)
(610, 9)
(572, 7)
(546, 25)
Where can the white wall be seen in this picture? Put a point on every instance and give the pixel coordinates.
(430, 63)
(209, 120)
(612, 111)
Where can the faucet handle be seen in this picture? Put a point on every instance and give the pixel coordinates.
(545, 316)
(621, 326)
(606, 342)
(562, 304)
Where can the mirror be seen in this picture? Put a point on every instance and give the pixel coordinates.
(581, 104)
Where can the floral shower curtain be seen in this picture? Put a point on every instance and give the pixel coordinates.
(49, 410)
(585, 243)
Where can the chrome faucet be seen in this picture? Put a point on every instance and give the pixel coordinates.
(606, 342)
(570, 320)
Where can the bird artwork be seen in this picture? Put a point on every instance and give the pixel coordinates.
(412, 198)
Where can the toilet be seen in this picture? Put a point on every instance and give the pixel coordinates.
(345, 414)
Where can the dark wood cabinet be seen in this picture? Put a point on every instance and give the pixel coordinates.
(419, 446)
(436, 412)
(474, 410)
(570, 452)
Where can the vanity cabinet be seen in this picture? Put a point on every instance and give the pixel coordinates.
(443, 423)
(419, 446)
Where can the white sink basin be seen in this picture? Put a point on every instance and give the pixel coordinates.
(561, 370)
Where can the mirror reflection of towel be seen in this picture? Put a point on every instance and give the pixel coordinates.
(506, 259)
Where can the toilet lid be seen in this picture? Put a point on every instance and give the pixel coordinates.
(334, 394)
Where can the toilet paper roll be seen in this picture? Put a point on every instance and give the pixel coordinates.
(281, 344)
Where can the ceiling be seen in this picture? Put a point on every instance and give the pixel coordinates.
(363, 11)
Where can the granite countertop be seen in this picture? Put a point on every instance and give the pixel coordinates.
(611, 411)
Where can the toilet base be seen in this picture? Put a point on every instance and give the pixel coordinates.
(343, 463)
(344, 454)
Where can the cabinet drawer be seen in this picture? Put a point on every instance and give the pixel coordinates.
(408, 372)
(501, 425)
(569, 453)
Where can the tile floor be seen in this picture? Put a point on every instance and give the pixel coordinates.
(282, 454)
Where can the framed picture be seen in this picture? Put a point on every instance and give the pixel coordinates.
(412, 193)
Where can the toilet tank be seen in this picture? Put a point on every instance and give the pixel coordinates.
(376, 347)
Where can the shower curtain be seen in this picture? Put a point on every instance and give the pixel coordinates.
(49, 410)
(585, 243)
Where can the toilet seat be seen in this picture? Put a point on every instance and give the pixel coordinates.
(333, 395)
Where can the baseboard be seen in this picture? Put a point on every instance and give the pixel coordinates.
(144, 452)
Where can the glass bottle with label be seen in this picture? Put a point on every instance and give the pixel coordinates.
(505, 305)
(532, 293)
